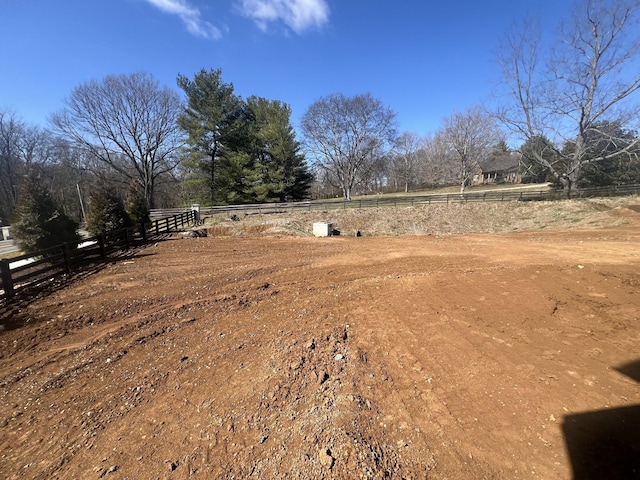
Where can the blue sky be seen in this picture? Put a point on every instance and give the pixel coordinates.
(424, 59)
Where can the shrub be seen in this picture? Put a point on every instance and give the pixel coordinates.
(106, 210)
(137, 205)
(38, 222)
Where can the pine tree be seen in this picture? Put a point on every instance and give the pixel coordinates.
(280, 172)
(211, 119)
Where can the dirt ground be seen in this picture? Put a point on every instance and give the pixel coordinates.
(504, 355)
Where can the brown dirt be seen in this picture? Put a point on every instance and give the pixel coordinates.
(274, 356)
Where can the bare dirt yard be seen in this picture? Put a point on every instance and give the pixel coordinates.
(469, 342)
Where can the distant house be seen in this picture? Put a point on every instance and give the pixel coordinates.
(502, 169)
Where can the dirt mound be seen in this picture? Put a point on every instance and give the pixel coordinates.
(435, 219)
(631, 212)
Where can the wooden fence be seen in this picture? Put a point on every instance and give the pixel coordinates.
(378, 201)
(34, 268)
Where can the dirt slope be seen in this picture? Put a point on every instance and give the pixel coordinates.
(470, 356)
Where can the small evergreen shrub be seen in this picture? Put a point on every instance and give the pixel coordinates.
(38, 222)
(106, 211)
(137, 205)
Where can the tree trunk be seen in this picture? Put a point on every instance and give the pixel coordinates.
(212, 186)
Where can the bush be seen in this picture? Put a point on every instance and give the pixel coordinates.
(38, 222)
(106, 210)
(137, 205)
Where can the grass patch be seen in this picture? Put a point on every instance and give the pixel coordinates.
(438, 219)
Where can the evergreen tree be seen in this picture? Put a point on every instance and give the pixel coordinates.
(211, 119)
(532, 170)
(621, 168)
(38, 222)
(137, 205)
(246, 151)
(106, 210)
(279, 172)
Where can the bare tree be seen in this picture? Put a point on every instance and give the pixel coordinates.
(347, 136)
(405, 160)
(591, 79)
(436, 166)
(471, 136)
(127, 122)
(21, 148)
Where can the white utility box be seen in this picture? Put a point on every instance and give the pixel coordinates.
(321, 229)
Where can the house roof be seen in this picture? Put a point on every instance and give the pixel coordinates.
(503, 163)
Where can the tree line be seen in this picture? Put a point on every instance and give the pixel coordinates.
(571, 103)
(127, 144)
(570, 106)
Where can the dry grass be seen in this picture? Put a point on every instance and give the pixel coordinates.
(436, 219)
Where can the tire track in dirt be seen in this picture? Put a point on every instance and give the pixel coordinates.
(232, 357)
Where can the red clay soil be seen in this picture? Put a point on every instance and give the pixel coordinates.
(473, 356)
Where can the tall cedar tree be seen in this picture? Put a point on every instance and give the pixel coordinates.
(38, 222)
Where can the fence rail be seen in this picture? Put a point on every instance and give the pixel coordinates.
(34, 268)
(409, 201)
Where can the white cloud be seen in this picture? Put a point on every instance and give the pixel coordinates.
(299, 15)
(190, 16)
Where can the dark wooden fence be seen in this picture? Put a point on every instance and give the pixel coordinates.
(34, 268)
(379, 201)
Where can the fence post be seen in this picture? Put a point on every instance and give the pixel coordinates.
(101, 245)
(7, 281)
(67, 260)
(126, 239)
(175, 222)
(143, 232)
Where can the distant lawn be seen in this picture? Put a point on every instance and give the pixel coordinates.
(453, 189)
(11, 254)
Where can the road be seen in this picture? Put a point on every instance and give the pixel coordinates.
(6, 247)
